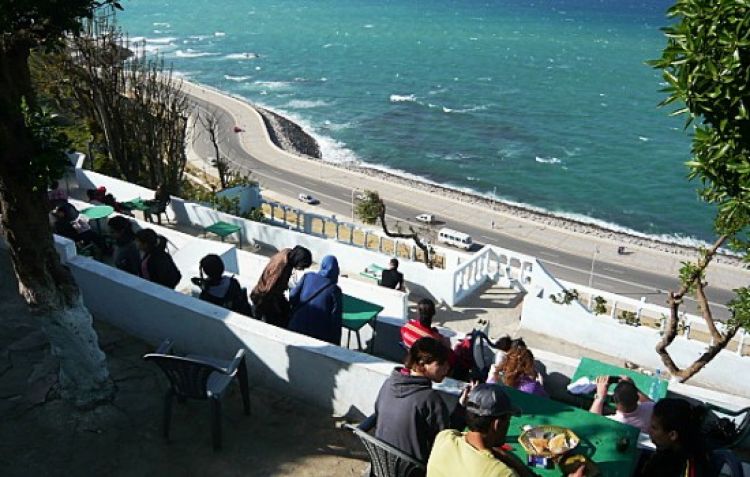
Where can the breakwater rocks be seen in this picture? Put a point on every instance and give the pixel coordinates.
(289, 136)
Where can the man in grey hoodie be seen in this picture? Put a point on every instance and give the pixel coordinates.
(408, 412)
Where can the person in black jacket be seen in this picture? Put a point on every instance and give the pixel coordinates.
(219, 289)
(156, 264)
(408, 412)
(126, 256)
(392, 278)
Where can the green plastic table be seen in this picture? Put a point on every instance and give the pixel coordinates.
(222, 229)
(356, 314)
(599, 435)
(136, 204)
(593, 368)
(373, 272)
(98, 212)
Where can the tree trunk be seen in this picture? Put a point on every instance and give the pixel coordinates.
(44, 283)
(413, 236)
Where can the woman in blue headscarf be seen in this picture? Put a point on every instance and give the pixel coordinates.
(316, 303)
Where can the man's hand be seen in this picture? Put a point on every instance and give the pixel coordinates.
(581, 472)
(465, 393)
(602, 382)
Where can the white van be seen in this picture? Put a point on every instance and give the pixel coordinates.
(455, 238)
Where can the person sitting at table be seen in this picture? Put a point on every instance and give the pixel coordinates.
(126, 256)
(422, 327)
(408, 412)
(156, 264)
(56, 195)
(680, 449)
(392, 278)
(158, 205)
(219, 289)
(518, 372)
(269, 302)
(316, 303)
(632, 407)
(479, 451)
(71, 224)
(96, 196)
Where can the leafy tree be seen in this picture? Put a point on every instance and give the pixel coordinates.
(371, 209)
(706, 64)
(30, 157)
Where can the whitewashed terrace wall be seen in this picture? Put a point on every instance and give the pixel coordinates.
(575, 324)
(643, 308)
(334, 378)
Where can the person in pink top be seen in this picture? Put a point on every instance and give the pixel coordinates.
(632, 407)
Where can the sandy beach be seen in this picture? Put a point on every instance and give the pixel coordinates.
(546, 229)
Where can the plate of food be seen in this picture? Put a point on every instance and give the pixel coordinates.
(548, 441)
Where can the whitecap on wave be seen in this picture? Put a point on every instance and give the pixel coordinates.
(403, 98)
(643, 138)
(249, 55)
(161, 24)
(272, 84)
(548, 160)
(305, 103)
(238, 79)
(190, 53)
(219, 33)
(159, 41)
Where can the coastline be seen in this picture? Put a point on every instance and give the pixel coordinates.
(556, 225)
(290, 137)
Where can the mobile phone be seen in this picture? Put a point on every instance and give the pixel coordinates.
(539, 462)
(614, 379)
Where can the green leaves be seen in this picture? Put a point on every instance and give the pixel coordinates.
(369, 207)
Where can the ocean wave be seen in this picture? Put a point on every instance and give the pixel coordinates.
(465, 110)
(403, 98)
(190, 53)
(643, 138)
(548, 160)
(272, 84)
(331, 126)
(368, 26)
(242, 56)
(198, 37)
(305, 104)
(219, 33)
(166, 40)
(161, 24)
(238, 79)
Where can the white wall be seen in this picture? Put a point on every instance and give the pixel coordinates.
(575, 324)
(331, 377)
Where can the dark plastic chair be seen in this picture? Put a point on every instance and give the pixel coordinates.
(741, 439)
(386, 460)
(157, 208)
(726, 464)
(199, 377)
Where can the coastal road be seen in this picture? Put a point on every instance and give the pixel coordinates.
(614, 278)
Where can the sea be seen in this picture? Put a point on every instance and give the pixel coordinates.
(545, 103)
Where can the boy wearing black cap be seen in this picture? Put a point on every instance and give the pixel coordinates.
(477, 452)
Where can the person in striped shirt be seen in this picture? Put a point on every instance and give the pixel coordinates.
(421, 328)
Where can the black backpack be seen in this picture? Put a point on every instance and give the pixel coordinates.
(234, 299)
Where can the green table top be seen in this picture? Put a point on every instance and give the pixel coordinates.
(98, 212)
(137, 204)
(599, 435)
(593, 368)
(357, 313)
(222, 229)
